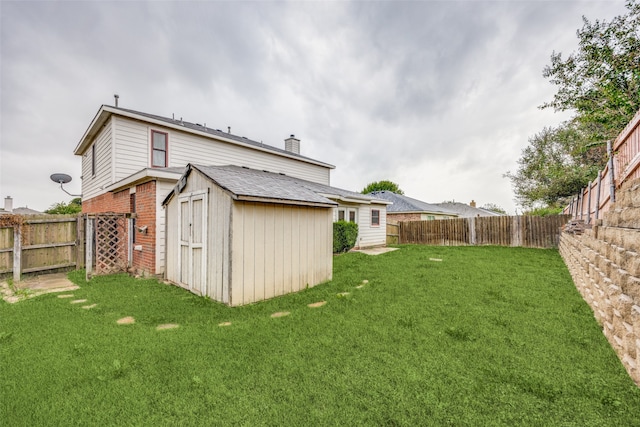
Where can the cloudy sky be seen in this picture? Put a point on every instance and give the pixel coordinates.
(438, 96)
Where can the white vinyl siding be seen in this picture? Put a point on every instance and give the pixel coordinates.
(372, 235)
(162, 190)
(185, 148)
(93, 185)
(133, 153)
(132, 147)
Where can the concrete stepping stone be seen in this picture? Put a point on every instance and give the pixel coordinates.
(316, 304)
(281, 314)
(365, 281)
(359, 286)
(343, 294)
(126, 321)
(89, 307)
(224, 324)
(65, 296)
(167, 326)
(435, 259)
(78, 301)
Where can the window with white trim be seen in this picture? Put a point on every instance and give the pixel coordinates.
(348, 214)
(159, 149)
(375, 217)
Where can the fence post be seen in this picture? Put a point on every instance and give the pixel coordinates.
(598, 194)
(589, 203)
(17, 252)
(80, 242)
(472, 231)
(89, 237)
(516, 231)
(612, 175)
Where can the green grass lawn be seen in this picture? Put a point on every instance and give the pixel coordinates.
(487, 336)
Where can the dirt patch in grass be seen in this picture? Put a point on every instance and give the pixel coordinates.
(281, 314)
(126, 321)
(167, 326)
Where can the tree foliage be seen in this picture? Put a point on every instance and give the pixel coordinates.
(73, 207)
(493, 208)
(383, 185)
(600, 83)
(554, 167)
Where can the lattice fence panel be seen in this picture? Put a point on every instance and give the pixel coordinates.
(111, 243)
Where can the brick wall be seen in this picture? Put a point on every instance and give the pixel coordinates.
(394, 218)
(604, 262)
(144, 253)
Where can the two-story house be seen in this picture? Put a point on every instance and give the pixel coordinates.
(132, 160)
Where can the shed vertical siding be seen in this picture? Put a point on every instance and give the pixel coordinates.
(300, 236)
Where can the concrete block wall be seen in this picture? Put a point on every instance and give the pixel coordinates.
(604, 262)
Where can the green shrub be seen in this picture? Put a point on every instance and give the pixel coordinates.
(344, 236)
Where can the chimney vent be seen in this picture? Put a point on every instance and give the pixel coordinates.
(116, 96)
(8, 204)
(292, 145)
(472, 204)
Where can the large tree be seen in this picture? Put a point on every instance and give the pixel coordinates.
(600, 83)
(554, 166)
(383, 185)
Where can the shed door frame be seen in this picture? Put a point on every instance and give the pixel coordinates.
(194, 240)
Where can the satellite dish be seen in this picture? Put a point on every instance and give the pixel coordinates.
(60, 178)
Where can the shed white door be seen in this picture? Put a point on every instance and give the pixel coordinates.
(192, 262)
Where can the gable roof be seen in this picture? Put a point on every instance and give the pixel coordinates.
(466, 211)
(404, 204)
(247, 184)
(106, 111)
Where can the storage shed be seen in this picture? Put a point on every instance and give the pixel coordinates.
(239, 235)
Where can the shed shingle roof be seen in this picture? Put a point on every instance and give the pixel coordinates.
(245, 183)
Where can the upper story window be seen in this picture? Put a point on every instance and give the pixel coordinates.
(159, 149)
(375, 217)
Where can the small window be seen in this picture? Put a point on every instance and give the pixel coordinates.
(352, 215)
(158, 149)
(340, 214)
(375, 217)
(93, 160)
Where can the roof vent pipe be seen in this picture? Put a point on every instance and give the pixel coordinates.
(228, 129)
(116, 96)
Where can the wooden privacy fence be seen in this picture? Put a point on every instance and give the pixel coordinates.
(526, 231)
(40, 243)
(623, 165)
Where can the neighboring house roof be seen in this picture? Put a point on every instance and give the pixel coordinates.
(404, 204)
(106, 111)
(253, 185)
(466, 211)
(20, 211)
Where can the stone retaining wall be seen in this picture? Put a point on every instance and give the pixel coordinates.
(604, 262)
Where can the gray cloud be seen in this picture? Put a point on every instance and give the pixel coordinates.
(438, 96)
